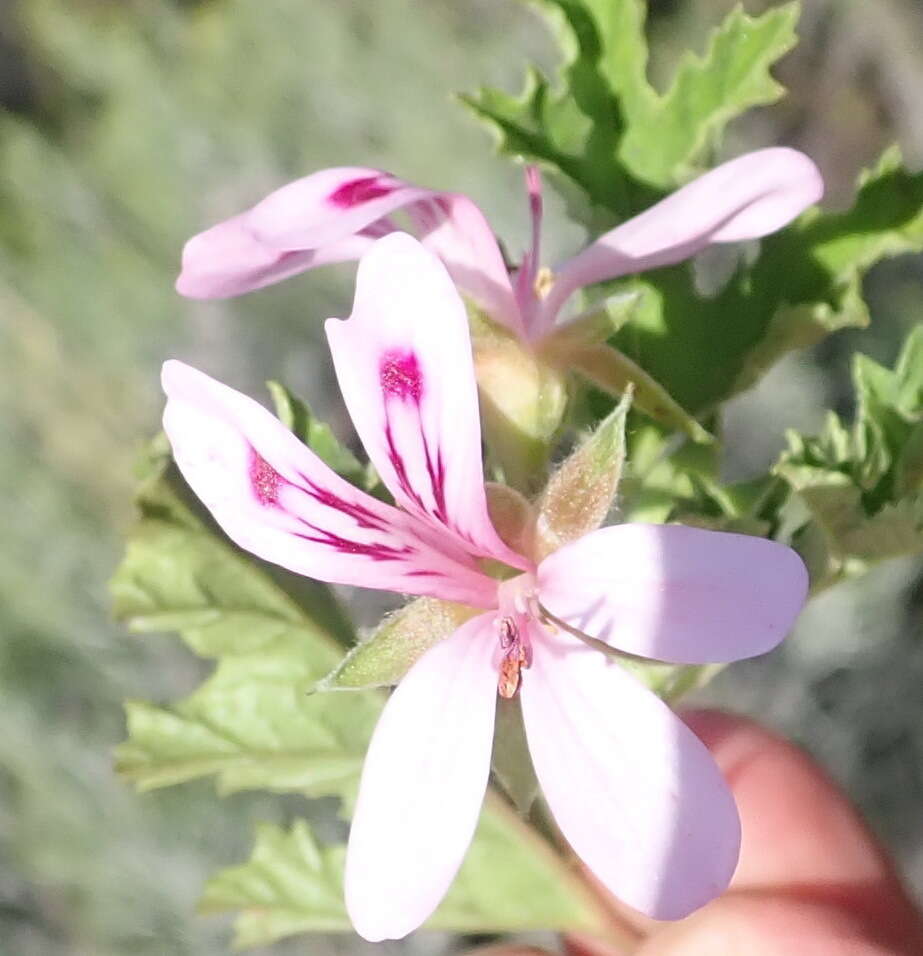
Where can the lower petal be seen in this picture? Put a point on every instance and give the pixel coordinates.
(422, 785)
(634, 791)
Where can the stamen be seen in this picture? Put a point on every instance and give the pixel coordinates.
(511, 673)
(534, 189)
(544, 280)
(548, 618)
(518, 656)
(506, 632)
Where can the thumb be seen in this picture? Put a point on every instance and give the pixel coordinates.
(508, 951)
(767, 924)
(812, 880)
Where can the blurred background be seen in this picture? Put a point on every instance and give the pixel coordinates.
(125, 127)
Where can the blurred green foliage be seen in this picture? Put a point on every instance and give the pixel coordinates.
(132, 125)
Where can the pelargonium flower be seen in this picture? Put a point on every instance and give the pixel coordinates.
(632, 789)
(334, 215)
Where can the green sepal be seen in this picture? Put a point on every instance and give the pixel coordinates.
(398, 642)
(580, 493)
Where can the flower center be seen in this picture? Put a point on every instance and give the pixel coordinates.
(522, 617)
(518, 606)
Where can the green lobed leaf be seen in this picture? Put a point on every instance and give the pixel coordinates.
(620, 145)
(253, 722)
(805, 284)
(858, 492)
(604, 127)
(510, 881)
(664, 142)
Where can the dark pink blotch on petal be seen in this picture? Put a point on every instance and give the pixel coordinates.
(401, 377)
(358, 191)
(364, 517)
(377, 551)
(264, 479)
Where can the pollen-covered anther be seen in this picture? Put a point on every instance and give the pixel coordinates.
(506, 632)
(518, 655)
(544, 280)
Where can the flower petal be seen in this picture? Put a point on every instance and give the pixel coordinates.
(453, 227)
(328, 206)
(634, 791)
(422, 786)
(277, 499)
(745, 198)
(332, 216)
(403, 360)
(227, 260)
(676, 594)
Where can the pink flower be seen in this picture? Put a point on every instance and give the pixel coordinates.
(336, 214)
(633, 790)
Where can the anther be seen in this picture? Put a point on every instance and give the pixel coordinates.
(506, 632)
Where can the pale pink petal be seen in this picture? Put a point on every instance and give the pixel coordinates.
(332, 216)
(275, 498)
(333, 203)
(745, 198)
(403, 360)
(328, 206)
(634, 791)
(453, 227)
(422, 786)
(227, 260)
(674, 593)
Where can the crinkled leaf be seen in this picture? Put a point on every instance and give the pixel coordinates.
(291, 884)
(253, 723)
(859, 491)
(805, 284)
(604, 127)
(614, 140)
(510, 881)
(708, 92)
